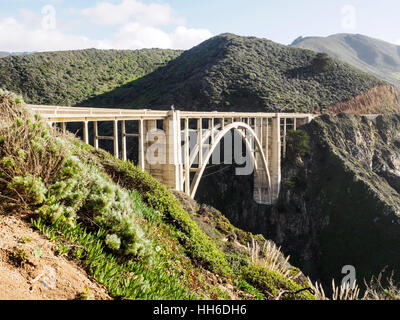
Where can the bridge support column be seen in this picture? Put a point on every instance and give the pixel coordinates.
(164, 160)
(86, 132)
(96, 134)
(275, 151)
(116, 147)
(173, 168)
(148, 132)
(260, 192)
(141, 145)
(187, 158)
(123, 142)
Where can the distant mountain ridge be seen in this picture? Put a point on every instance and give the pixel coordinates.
(6, 54)
(377, 57)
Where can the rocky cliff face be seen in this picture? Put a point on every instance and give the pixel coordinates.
(340, 202)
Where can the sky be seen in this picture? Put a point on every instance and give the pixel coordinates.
(50, 25)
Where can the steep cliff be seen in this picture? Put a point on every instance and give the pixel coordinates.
(340, 203)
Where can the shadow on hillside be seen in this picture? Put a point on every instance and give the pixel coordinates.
(122, 96)
(300, 73)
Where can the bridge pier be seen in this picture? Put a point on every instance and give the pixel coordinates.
(173, 169)
(115, 138)
(275, 152)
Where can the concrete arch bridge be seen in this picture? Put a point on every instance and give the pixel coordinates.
(176, 146)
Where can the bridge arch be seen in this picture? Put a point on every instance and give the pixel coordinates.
(238, 127)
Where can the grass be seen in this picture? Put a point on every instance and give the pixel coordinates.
(269, 256)
(244, 285)
(85, 217)
(124, 280)
(274, 285)
(376, 290)
(342, 292)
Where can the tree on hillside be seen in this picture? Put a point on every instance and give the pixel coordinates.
(322, 63)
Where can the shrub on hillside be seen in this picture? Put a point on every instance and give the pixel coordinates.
(38, 172)
(157, 196)
(274, 285)
(322, 63)
(297, 146)
(30, 156)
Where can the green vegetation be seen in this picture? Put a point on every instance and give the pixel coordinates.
(272, 283)
(227, 72)
(123, 279)
(322, 63)
(71, 77)
(236, 73)
(86, 295)
(298, 146)
(157, 196)
(242, 284)
(126, 229)
(380, 59)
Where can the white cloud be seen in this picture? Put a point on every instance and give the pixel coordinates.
(135, 36)
(184, 38)
(15, 36)
(105, 13)
(136, 25)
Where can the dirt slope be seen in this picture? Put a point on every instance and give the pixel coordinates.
(375, 100)
(29, 269)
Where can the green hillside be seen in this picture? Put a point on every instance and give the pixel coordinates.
(377, 57)
(70, 77)
(227, 72)
(230, 72)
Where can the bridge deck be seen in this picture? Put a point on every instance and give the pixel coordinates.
(79, 114)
